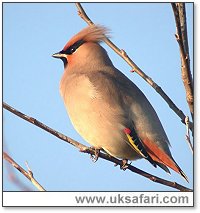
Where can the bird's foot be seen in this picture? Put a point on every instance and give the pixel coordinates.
(95, 156)
(124, 165)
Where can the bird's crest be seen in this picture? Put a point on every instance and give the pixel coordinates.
(93, 33)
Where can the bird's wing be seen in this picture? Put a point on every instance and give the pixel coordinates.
(136, 144)
(148, 136)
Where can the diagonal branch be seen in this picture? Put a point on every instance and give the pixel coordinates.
(28, 174)
(136, 69)
(11, 174)
(181, 37)
(188, 135)
(91, 151)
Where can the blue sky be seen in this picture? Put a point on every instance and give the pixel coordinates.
(32, 32)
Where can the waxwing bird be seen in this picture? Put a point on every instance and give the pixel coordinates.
(107, 109)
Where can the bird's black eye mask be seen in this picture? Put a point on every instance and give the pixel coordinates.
(71, 49)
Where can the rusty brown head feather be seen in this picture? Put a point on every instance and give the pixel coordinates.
(93, 33)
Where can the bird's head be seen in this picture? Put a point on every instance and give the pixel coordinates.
(84, 46)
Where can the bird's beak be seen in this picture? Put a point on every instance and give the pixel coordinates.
(59, 55)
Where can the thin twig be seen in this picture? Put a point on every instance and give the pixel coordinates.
(11, 174)
(28, 174)
(91, 151)
(136, 69)
(188, 134)
(181, 37)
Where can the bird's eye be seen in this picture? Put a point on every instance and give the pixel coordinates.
(74, 47)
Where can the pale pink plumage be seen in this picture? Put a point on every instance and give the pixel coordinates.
(102, 103)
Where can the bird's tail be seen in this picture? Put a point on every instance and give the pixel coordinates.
(181, 172)
(162, 158)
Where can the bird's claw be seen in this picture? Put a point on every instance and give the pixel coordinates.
(124, 165)
(95, 156)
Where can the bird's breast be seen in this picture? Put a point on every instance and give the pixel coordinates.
(80, 98)
(98, 122)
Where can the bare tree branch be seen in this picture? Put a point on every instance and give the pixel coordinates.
(11, 174)
(136, 69)
(91, 151)
(28, 174)
(188, 134)
(14, 179)
(181, 37)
